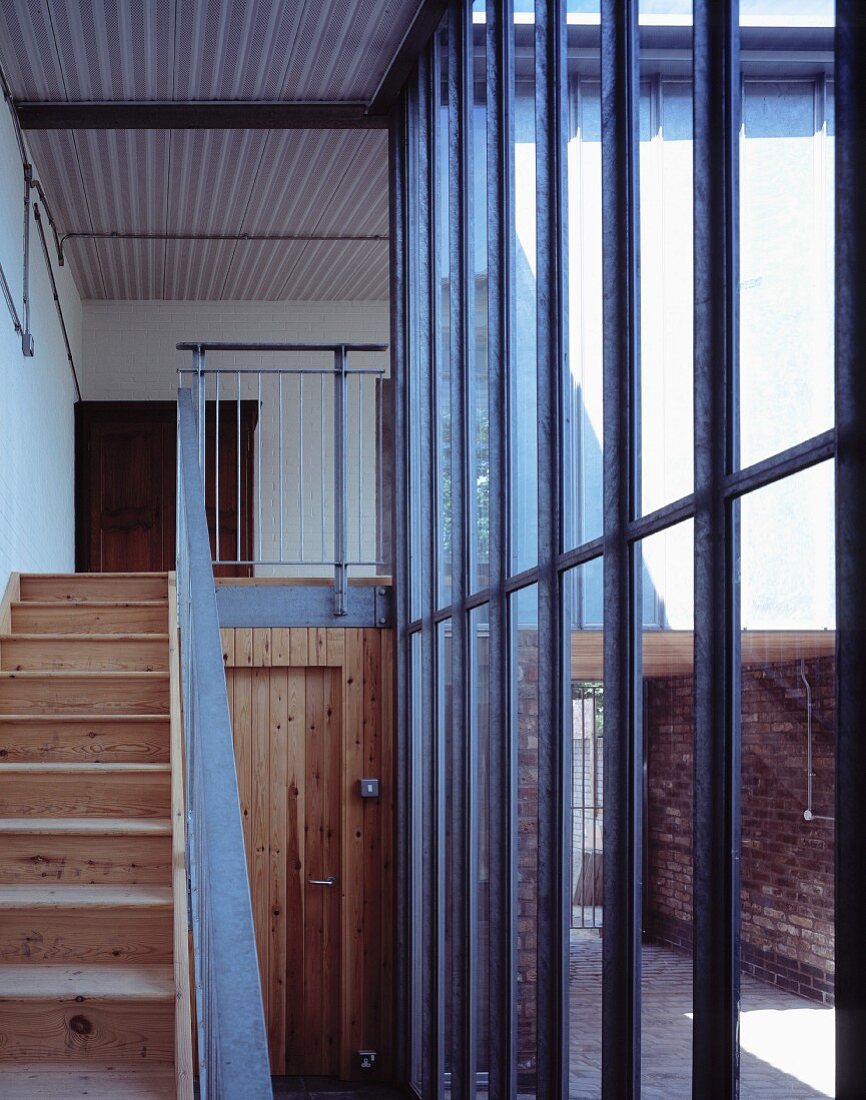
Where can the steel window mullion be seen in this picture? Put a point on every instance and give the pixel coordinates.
(551, 299)
(717, 113)
(502, 960)
(401, 293)
(621, 344)
(462, 883)
(850, 93)
(426, 347)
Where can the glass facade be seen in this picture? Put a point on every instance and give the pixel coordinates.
(619, 425)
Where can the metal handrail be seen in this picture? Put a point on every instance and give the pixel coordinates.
(278, 524)
(232, 1039)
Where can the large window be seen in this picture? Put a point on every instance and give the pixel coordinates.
(619, 397)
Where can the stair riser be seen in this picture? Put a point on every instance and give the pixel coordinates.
(49, 742)
(83, 936)
(82, 654)
(39, 695)
(94, 587)
(101, 1032)
(101, 860)
(88, 620)
(115, 795)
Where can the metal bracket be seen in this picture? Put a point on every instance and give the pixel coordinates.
(384, 605)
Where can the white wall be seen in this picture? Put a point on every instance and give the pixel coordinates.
(130, 354)
(37, 518)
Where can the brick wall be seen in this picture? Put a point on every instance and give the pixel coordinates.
(787, 862)
(527, 852)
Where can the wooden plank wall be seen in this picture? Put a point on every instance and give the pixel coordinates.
(266, 683)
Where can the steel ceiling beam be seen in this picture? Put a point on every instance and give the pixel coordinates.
(417, 37)
(197, 115)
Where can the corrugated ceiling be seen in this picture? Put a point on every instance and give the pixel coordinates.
(280, 181)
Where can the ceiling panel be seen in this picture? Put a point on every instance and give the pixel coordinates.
(332, 182)
(201, 49)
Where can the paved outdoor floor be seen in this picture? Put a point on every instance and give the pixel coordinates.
(786, 1041)
(326, 1088)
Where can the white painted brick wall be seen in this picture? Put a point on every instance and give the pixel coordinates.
(130, 355)
(37, 518)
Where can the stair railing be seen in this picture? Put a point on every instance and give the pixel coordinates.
(232, 1040)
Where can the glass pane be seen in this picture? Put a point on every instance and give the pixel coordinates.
(582, 444)
(786, 265)
(418, 379)
(416, 973)
(666, 265)
(523, 612)
(524, 403)
(479, 711)
(442, 403)
(584, 725)
(444, 748)
(666, 564)
(787, 730)
(479, 419)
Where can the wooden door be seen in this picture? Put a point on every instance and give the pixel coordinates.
(125, 487)
(125, 479)
(311, 715)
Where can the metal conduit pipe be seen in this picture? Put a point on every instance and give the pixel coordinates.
(22, 327)
(807, 813)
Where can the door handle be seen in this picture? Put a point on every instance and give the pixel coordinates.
(329, 881)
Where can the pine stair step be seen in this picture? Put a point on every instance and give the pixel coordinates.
(83, 789)
(84, 826)
(100, 851)
(84, 652)
(84, 924)
(93, 586)
(84, 692)
(90, 616)
(100, 738)
(72, 1080)
(21, 983)
(91, 898)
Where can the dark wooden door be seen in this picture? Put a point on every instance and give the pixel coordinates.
(125, 480)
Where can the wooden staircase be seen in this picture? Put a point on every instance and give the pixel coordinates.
(94, 965)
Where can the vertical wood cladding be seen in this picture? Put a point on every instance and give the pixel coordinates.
(787, 863)
(272, 686)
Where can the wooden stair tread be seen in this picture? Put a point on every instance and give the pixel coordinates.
(84, 826)
(38, 768)
(79, 674)
(75, 896)
(83, 639)
(154, 574)
(83, 717)
(71, 1080)
(58, 605)
(25, 982)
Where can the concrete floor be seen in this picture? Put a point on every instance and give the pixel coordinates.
(786, 1041)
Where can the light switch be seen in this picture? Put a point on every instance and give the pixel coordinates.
(369, 788)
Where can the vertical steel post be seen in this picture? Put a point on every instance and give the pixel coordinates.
(341, 482)
(406, 751)
(622, 840)
(850, 550)
(503, 749)
(551, 305)
(717, 110)
(431, 832)
(462, 866)
(198, 366)
(27, 335)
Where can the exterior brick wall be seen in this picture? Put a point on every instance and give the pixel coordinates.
(787, 863)
(527, 852)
